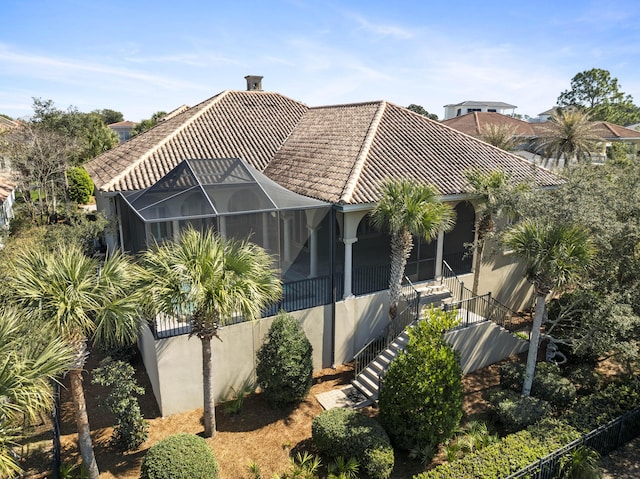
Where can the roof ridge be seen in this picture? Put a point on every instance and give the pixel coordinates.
(162, 142)
(358, 165)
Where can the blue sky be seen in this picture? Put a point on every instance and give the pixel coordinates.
(139, 57)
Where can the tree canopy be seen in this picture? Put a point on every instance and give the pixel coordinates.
(602, 316)
(149, 123)
(419, 109)
(88, 130)
(597, 93)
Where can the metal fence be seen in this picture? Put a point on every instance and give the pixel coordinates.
(605, 439)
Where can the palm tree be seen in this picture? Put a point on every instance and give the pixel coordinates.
(503, 136)
(407, 208)
(209, 279)
(569, 136)
(30, 359)
(80, 299)
(491, 192)
(555, 255)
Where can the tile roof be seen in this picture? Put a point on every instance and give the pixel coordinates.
(337, 153)
(473, 123)
(497, 104)
(603, 129)
(7, 185)
(248, 125)
(342, 153)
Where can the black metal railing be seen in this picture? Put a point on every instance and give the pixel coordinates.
(408, 311)
(369, 279)
(469, 305)
(604, 439)
(166, 326)
(460, 261)
(302, 294)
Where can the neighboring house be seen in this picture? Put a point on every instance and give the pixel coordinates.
(470, 106)
(475, 124)
(7, 181)
(301, 181)
(7, 198)
(123, 129)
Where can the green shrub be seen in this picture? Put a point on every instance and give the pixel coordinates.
(347, 433)
(590, 412)
(182, 456)
(548, 383)
(285, 365)
(421, 397)
(516, 412)
(80, 185)
(131, 429)
(581, 463)
(585, 379)
(509, 455)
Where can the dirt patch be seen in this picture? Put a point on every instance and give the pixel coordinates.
(258, 433)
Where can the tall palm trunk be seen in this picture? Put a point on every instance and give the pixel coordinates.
(82, 423)
(476, 266)
(401, 245)
(207, 384)
(532, 356)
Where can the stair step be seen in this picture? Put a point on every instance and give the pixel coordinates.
(371, 394)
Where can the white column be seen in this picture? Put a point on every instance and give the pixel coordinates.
(313, 251)
(222, 224)
(348, 265)
(286, 231)
(175, 225)
(439, 254)
(265, 230)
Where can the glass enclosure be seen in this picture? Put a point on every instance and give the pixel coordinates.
(237, 201)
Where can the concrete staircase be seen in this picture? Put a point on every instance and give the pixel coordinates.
(368, 381)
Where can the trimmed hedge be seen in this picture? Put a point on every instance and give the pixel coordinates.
(285, 364)
(511, 454)
(348, 433)
(181, 456)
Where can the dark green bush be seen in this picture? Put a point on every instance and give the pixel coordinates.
(131, 429)
(285, 365)
(509, 455)
(515, 411)
(590, 412)
(80, 185)
(421, 397)
(182, 456)
(548, 383)
(347, 433)
(585, 379)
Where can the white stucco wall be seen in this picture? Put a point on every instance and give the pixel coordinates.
(174, 365)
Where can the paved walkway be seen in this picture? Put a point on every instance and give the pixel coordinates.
(347, 397)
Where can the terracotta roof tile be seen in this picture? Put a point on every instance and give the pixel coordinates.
(315, 160)
(337, 153)
(248, 125)
(473, 123)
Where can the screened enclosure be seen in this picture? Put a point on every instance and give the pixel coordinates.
(236, 200)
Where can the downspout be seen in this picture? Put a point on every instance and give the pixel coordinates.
(334, 293)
